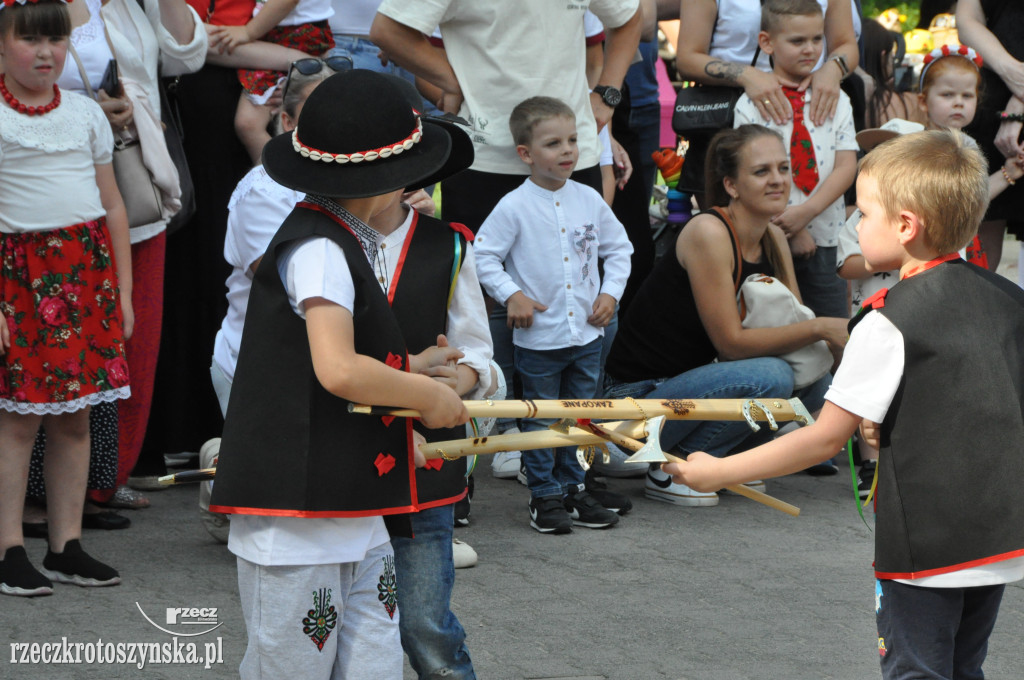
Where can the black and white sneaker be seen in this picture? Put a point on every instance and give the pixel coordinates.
(549, 516)
(521, 477)
(865, 477)
(585, 511)
(19, 577)
(76, 567)
(462, 506)
(598, 488)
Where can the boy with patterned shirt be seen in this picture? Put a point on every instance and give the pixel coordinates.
(549, 233)
(949, 529)
(823, 158)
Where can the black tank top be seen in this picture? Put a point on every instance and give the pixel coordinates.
(662, 335)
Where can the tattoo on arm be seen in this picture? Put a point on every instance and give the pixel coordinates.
(723, 70)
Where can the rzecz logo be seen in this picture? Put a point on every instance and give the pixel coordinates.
(187, 619)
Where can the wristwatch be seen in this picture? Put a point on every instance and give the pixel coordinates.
(841, 62)
(611, 96)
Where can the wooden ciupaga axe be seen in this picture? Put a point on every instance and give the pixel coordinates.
(651, 452)
(471, 446)
(767, 410)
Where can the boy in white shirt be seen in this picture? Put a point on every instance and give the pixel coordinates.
(549, 234)
(823, 157)
(949, 528)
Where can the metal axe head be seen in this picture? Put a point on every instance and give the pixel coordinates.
(802, 415)
(563, 426)
(651, 451)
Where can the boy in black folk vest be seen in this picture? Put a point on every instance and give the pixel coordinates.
(310, 485)
(944, 346)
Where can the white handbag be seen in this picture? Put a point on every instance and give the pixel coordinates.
(766, 302)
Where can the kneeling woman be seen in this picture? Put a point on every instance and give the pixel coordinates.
(684, 316)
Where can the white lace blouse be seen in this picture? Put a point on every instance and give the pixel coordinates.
(47, 165)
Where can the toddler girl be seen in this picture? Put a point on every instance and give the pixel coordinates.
(63, 320)
(298, 24)
(950, 84)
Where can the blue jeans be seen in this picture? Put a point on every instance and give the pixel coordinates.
(610, 331)
(645, 122)
(501, 340)
(820, 287)
(552, 374)
(934, 632)
(363, 54)
(431, 634)
(744, 379)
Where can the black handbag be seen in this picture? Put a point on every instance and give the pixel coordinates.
(706, 108)
(173, 134)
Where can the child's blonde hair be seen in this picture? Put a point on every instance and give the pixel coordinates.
(937, 175)
(774, 11)
(528, 113)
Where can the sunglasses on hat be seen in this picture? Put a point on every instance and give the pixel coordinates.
(312, 65)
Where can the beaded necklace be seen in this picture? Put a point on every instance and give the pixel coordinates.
(13, 102)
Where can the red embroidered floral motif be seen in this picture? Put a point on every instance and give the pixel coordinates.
(433, 464)
(394, 361)
(385, 463)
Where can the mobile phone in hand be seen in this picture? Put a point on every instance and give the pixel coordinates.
(111, 83)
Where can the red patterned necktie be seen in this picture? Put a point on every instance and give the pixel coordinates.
(801, 148)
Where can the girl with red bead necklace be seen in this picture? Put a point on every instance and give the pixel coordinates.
(65, 291)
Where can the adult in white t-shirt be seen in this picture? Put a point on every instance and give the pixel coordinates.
(497, 54)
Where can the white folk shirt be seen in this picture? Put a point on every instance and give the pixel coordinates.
(549, 242)
(256, 210)
(316, 267)
(865, 384)
(860, 289)
(835, 135)
(503, 52)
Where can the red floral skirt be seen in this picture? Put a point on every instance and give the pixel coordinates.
(312, 38)
(59, 297)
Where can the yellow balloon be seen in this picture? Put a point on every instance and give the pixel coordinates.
(919, 41)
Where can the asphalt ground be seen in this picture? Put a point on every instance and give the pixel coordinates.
(730, 592)
(733, 592)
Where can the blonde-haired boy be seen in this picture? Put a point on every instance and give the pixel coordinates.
(935, 368)
(537, 254)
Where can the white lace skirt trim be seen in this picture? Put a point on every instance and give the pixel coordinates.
(55, 408)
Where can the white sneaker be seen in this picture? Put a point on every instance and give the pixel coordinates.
(756, 485)
(215, 523)
(463, 554)
(660, 487)
(505, 464)
(486, 426)
(617, 465)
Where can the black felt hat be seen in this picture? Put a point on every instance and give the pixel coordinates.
(359, 135)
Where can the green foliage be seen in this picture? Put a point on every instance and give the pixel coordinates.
(912, 10)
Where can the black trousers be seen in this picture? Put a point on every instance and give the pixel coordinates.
(934, 632)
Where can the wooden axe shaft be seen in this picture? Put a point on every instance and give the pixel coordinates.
(627, 442)
(459, 448)
(603, 409)
(524, 441)
(188, 476)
